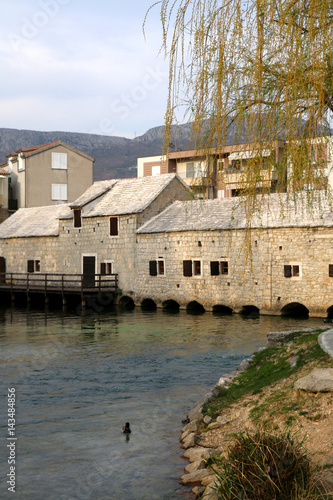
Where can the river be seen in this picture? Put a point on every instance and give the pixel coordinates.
(79, 378)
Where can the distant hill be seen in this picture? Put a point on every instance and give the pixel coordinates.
(115, 157)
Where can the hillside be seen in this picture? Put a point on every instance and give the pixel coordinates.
(115, 157)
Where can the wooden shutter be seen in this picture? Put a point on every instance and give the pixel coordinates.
(31, 266)
(287, 271)
(330, 270)
(214, 268)
(153, 268)
(103, 268)
(187, 267)
(77, 217)
(113, 226)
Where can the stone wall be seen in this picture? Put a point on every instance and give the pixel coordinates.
(255, 279)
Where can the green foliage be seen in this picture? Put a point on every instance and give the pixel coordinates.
(267, 367)
(262, 69)
(265, 466)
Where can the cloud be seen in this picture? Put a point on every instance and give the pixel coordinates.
(83, 64)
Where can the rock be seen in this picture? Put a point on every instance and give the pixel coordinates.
(194, 477)
(196, 413)
(320, 380)
(198, 490)
(208, 480)
(215, 391)
(222, 420)
(189, 441)
(210, 493)
(194, 454)
(198, 464)
(275, 338)
(244, 365)
(207, 419)
(293, 362)
(213, 425)
(193, 426)
(223, 383)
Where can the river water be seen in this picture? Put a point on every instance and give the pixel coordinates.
(78, 379)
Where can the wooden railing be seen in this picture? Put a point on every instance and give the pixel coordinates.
(51, 282)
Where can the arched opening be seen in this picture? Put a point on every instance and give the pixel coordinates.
(330, 313)
(126, 302)
(195, 308)
(170, 305)
(295, 310)
(250, 311)
(148, 305)
(219, 309)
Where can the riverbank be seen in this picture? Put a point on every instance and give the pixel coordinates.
(267, 390)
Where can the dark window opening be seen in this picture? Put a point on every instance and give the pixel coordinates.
(197, 268)
(113, 226)
(217, 268)
(33, 266)
(77, 217)
(156, 267)
(187, 267)
(330, 270)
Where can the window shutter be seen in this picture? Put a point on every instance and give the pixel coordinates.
(77, 217)
(330, 270)
(287, 271)
(113, 226)
(214, 268)
(103, 268)
(153, 268)
(31, 266)
(187, 267)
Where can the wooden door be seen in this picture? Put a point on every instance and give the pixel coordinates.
(2, 269)
(89, 267)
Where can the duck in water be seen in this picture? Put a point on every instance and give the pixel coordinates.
(126, 429)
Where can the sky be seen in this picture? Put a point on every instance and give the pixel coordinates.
(81, 66)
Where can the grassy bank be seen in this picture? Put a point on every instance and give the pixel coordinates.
(263, 399)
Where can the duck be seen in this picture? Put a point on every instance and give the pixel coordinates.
(126, 428)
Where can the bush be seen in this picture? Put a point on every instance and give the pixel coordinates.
(265, 466)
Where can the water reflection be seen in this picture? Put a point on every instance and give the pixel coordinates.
(80, 377)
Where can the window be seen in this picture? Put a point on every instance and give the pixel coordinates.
(33, 266)
(192, 267)
(156, 267)
(292, 271)
(219, 267)
(190, 169)
(77, 217)
(59, 160)
(106, 267)
(330, 270)
(156, 170)
(194, 169)
(59, 192)
(113, 226)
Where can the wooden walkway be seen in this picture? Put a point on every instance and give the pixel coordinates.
(59, 284)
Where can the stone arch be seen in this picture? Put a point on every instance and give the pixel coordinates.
(195, 307)
(148, 305)
(295, 310)
(330, 312)
(170, 305)
(221, 309)
(250, 310)
(126, 302)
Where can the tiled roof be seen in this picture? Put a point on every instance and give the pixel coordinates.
(276, 211)
(93, 192)
(131, 195)
(36, 221)
(4, 171)
(31, 150)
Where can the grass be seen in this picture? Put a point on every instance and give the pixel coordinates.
(265, 466)
(268, 367)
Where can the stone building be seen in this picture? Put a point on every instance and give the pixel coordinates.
(169, 250)
(201, 252)
(96, 234)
